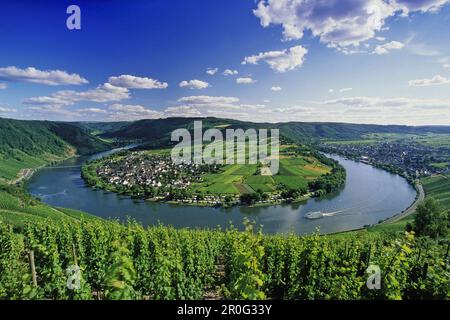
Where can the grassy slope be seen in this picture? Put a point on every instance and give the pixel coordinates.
(18, 208)
(31, 144)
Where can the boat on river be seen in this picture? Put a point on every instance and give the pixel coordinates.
(314, 215)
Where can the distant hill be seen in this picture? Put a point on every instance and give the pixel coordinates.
(97, 128)
(160, 129)
(29, 144)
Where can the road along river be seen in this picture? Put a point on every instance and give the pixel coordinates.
(369, 195)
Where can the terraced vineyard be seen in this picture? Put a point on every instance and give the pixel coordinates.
(129, 262)
(18, 208)
(438, 187)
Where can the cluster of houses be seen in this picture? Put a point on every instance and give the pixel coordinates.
(413, 159)
(230, 200)
(140, 169)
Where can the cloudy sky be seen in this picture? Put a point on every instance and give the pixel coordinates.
(360, 61)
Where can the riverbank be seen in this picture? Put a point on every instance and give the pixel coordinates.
(27, 173)
(24, 175)
(411, 209)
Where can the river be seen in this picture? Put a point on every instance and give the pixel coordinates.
(369, 195)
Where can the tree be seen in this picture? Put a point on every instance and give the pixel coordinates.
(430, 219)
(448, 218)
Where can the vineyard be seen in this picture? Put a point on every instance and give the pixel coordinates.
(117, 261)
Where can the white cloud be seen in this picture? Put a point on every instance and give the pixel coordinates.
(103, 93)
(92, 110)
(194, 84)
(5, 110)
(330, 90)
(132, 112)
(337, 23)
(212, 71)
(133, 82)
(387, 47)
(370, 102)
(210, 106)
(280, 61)
(48, 77)
(182, 111)
(114, 112)
(229, 72)
(396, 110)
(420, 48)
(202, 100)
(420, 5)
(345, 90)
(246, 80)
(446, 66)
(276, 88)
(3, 86)
(50, 112)
(435, 81)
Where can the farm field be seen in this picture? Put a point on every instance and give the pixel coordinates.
(430, 139)
(295, 172)
(438, 187)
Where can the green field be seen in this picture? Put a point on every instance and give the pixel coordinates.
(17, 160)
(438, 187)
(429, 139)
(294, 173)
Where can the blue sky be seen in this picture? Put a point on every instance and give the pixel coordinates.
(361, 61)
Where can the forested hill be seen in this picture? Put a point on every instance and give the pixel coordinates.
(350, 131)
(29, 144)
(149, 130)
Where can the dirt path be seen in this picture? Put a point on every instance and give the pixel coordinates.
(24, 174)
(412, 208)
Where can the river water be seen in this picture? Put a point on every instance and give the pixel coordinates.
(369, 195)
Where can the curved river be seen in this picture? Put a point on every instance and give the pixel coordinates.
(369, 195)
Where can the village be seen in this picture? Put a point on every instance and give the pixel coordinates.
(412, 160)
(140, 169)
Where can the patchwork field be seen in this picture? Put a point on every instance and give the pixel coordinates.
(294, 173)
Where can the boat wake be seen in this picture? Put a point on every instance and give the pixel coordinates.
(52, 195)
(319, 214)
